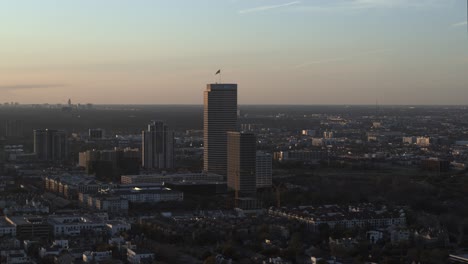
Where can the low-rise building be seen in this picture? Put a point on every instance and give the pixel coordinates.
(7, 228)
(152, 195)
(110, 204)
(135, 256)
(96, 256)
(73, 225)
(362, 215)
(29, 227)
(16, 257)
(69, 186)
(115, 227)
(301, 155)
(178, 177)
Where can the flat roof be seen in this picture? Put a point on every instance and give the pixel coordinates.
(24, 220)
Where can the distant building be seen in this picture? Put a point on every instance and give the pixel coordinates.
(50, 145)
(409, 140)
(435, 165)
(250, 127)
(2, 155)
(96, 133)
(328, 134)
(461, 143)
(135, 256)
(96, 256)
(157, 146)
(7, 228)
(300, 155)
(308, 132)
(263, 170)
(14, 128)
(398, 235)
(16, 257)
(177, 177)
(73, 225)
(29, 227)
(95, 161)
(109, 204)
(423, 141)
(347, 217)
(198, 187)
(241, 165)
(69, 186)
(149, 195)
(219, 117)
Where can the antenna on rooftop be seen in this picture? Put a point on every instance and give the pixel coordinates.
(219, 75)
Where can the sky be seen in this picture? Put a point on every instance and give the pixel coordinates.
(278, 51)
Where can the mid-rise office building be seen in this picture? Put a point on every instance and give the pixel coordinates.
(157, 146)
(219, 117)
(127, 160)
(241, 163)
(50, 145)
(263, 169)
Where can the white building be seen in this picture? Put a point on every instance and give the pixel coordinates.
(96, 257)
(135, 256)
(73, 225)
(113, 204)
(116, 227)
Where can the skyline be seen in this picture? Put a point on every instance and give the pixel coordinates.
(278, 52)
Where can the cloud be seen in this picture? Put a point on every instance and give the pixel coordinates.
(394, 3)
(346, 5)
(269, 7)
(17, 87)
(459, 24)
(344, 58)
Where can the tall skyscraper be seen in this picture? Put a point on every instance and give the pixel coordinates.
(157, 146)
(219, 117)
(50, 145)
(241, 165)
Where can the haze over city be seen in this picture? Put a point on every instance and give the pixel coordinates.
(278, 51)
(233, 131)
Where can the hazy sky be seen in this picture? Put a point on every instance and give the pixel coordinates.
(278, 51)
